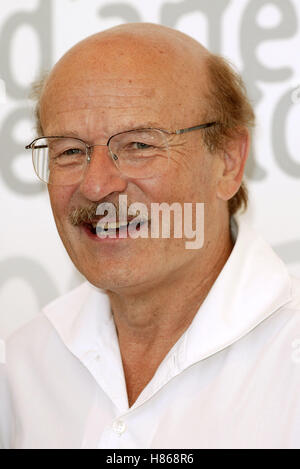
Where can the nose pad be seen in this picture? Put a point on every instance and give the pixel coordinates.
(113, 156)
(101, 175)
(88, 154)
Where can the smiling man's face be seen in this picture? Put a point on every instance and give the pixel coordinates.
(115, 82)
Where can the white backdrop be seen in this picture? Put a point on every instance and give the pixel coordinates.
(261, 37)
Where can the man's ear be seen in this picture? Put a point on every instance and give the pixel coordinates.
(233, 161)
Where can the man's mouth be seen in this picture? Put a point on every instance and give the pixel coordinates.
(95, 227)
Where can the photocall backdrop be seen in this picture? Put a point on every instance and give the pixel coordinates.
(262, 39)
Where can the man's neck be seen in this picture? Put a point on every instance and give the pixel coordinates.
(150, 323)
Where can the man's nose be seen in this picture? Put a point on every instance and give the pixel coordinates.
(101, 176)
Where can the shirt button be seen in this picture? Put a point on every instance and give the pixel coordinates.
(119, 426)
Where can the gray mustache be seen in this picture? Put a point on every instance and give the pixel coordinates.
(80, 215)
(88, 214)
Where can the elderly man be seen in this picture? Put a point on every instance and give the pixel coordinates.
(163, 346)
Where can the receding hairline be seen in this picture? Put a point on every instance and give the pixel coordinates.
(143, 31)
(171, 46)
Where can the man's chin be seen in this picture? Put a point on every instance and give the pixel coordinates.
(119, 284)
(127, 277)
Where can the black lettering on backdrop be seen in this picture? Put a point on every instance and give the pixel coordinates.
(252, 36)
(40, 20)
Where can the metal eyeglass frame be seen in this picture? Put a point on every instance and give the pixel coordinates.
(88, 147)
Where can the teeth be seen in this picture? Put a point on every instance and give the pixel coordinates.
(109, 226)
(114, 225)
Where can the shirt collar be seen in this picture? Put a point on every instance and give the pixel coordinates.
(253, 284)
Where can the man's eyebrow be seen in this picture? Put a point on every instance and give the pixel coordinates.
(144, 125)
(66, 133)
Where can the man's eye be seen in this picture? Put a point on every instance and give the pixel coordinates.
(72, 151)
(140, 145)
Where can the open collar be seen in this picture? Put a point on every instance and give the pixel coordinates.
(253, 284)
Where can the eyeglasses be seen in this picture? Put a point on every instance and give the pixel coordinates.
(140, 153)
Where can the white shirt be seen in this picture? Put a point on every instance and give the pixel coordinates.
(231, 381)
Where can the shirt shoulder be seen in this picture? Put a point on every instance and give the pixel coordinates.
(286, 320)
(39, 369)
(288, 315)
(33, 335)
(275, 344)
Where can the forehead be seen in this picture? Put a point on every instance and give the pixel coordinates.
(100, 91)
(117, 84)
(107, 109)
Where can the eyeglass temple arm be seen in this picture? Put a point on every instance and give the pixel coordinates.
(196, 127)
(37, 146)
